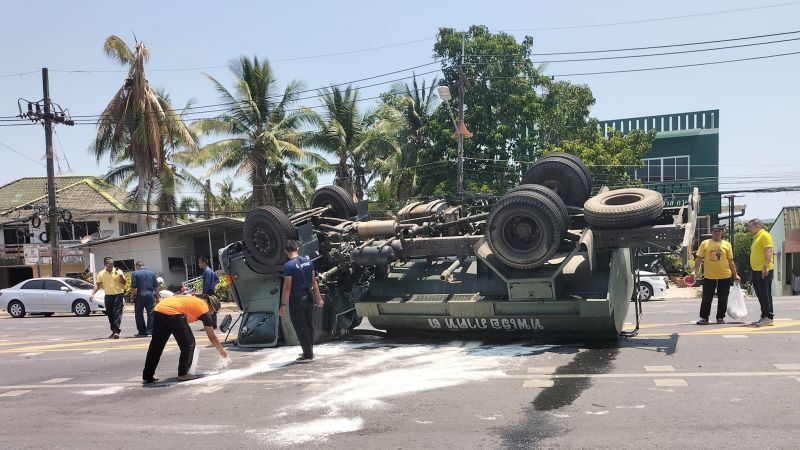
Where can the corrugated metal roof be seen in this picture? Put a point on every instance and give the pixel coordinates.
(791, 222)
(217, 224)
(76, 193)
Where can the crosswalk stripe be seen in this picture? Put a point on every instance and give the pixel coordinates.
(56, 380)
(95, 352)
(659, 368)
(670, 382)
(30, 354)
(787, 366)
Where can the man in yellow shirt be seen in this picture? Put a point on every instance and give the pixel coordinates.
(719, 271)
(761, 263)
(112, 281)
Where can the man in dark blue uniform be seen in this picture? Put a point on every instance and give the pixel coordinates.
(300, 292)
(144, 290)
(210, 279)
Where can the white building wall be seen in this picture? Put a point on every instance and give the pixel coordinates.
(174, 246)
(144, 248)
(778, 232)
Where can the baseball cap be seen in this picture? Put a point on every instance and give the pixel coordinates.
(718, 226)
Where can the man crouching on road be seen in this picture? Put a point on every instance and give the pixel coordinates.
(172, 316)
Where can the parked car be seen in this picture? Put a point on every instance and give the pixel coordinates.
(650, 285)
(48, 296)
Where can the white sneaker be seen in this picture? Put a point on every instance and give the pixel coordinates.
(763, 322)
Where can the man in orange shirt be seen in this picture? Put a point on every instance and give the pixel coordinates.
(172, 316)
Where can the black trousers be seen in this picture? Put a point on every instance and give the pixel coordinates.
(115, 304)
(722, 288)
(165, 325)
(763, 288)
(303, 325)
(144, 301)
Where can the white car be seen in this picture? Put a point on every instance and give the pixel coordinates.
(650, 285)
(48, 296)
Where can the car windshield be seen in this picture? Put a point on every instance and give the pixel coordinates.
(78, 284)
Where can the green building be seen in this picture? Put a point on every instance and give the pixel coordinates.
(685, 155)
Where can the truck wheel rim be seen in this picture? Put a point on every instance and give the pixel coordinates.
(521, 233)
(264, 242)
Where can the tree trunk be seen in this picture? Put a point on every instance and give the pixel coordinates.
(262, 190)
(138, 202)
(343, 178)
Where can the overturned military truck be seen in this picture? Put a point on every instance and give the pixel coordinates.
(545, 260)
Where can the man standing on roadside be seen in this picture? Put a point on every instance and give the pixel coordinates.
(300, 293)
(210, 279)
(716, 256)
(761, 263)
(144, 290)
(112, 281)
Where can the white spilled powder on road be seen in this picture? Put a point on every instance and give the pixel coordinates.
(105, 391)
(223, 364)
(395, 371)
(303, 432)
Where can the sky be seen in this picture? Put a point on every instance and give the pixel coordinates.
(323, 42)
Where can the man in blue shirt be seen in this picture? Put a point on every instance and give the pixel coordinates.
(300, 292)
(144, 290)
(210, 279)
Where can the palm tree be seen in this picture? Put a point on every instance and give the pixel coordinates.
(138, 124)
(415, 104)
(262, 134)
(363, 141)
(226, 199)
(188, 204)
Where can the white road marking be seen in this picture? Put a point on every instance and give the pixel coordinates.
(210, 389)
(787, 366)
(15, 393)
(659, 368)
(656, 375)
(95, 352)
(139, 378)
(734, 336)
(56, 339)
(31, 354)
(541, 369)
(56, 381)
(670, 382)
(538, 383)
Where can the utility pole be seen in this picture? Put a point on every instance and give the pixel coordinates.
(52, 213)
(731, 216)
(47, 115)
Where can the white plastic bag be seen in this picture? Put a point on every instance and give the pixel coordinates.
(737, 309)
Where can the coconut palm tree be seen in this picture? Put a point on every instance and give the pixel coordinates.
(415, 104)
(138, 124)
(361, 141)
(261, 132)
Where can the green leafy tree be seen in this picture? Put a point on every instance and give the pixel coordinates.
(140, 126)
(262, 134)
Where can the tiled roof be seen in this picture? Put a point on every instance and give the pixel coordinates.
(75, 193)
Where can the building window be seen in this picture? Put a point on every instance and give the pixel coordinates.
(176, 263)
(125, 265)
(16, 235)
(126, 228)
(73, 231)
(656, 170)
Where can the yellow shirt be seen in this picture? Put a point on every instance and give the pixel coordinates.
(110, 282)
(716, 259)
(761, 241)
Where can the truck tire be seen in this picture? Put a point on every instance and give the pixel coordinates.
(576, 160)
(266, 230)
(562, 176)
(622, 208)
(550, 194)
(524, 229)
(339, 199)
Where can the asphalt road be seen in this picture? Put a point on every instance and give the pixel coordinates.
(676, 385)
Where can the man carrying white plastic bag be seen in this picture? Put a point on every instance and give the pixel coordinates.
(737, 309)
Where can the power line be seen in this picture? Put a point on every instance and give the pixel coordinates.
(657, 19)
(22, 154)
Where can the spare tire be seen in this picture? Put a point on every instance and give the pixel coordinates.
(524, 229)
(340, 201)
(576, 160)
(266, 230)
(622, 208)
(550, 194)
(562, 176)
